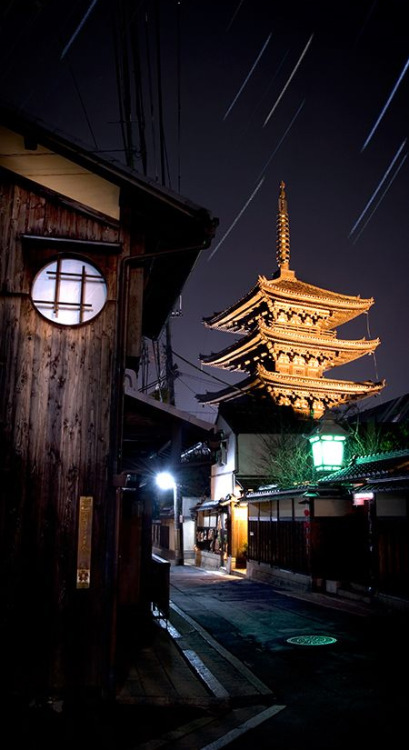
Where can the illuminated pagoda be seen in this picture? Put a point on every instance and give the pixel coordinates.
(287, 339)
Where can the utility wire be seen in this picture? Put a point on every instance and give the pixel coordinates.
(373, 353)
(119, 82)
(140, 114)
(219, 380)
(160, 99)
(84, 109)
(150, 89)
(178, 46)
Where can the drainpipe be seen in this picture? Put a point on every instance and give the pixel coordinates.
(131, 261)
(117, 425)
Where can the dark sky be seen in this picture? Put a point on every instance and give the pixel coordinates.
(312, 93)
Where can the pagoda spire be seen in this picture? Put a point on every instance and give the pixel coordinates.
(288, 339)
(283, 231)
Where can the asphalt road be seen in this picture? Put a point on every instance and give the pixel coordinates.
(351, 691)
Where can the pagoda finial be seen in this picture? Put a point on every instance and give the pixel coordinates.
(283, 231)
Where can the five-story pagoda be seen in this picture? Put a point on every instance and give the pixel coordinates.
(288, 339)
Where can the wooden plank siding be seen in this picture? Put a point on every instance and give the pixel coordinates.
(359, 550)
(340, 549)
(392, 542)
(56, 422)
(279, 543)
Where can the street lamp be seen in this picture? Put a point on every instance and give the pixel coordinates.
(166, 481)
(327, 444)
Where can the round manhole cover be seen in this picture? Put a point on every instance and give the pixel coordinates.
(312, 640)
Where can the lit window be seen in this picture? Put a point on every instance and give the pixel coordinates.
(69, 291)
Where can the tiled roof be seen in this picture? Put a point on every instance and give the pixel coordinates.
(392, 484)
(396, 410)
(300, 288)
(211, 505)
(250, 414)
(373, 466)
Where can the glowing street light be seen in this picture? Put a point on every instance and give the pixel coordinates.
(166, 481)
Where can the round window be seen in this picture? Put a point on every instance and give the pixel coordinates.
(69, 291)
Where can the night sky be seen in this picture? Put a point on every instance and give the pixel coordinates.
(312, 93)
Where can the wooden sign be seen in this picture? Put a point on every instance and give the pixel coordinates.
(84, 543)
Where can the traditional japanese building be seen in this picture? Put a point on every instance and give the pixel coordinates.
(92, 259)
(288, 339)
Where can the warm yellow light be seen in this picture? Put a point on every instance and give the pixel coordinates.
(240, 512)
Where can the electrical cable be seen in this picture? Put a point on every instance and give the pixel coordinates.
(150, 90)
(84, 109)
(118, 81)
(160, 98)
(178, 47)
(373, 353)
(140, 114)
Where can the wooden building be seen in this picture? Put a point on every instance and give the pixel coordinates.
(194, 482)
(246, 427)
(93, 258)
(288, 339)
(378, 485)
(296, 537)
(348, 534)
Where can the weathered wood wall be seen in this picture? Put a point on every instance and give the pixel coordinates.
(282, 543)
(56, 420)
(391, 544)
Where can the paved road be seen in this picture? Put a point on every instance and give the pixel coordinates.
(350, 692)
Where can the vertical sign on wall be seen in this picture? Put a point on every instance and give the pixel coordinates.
(84, 543)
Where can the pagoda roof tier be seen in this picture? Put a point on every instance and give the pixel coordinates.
(332, 352)
(329, 308)
(315, 394)
(325, 345)
(240, 317)
(239, 355)
(304, 395)
(319, 385)
(246, 387)
(289, 340)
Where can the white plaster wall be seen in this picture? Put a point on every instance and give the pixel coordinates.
(188, 524)
(391, 505)
(252, 452)
(331, 508)
(222, 479)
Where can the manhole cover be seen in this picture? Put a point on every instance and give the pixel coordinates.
(312, 640)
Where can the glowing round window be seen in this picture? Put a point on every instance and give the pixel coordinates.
(69, 291)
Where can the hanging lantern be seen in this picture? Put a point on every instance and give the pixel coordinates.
(327, 445)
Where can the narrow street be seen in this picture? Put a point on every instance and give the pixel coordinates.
(351, 689)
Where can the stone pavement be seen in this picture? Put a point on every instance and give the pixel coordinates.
(218, 697)
(184, 691)
(336, 666)
(194, 686)
(212, 694)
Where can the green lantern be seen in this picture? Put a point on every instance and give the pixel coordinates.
(327, 445)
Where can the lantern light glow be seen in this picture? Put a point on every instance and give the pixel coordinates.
(327, 451)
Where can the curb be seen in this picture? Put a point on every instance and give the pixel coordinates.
(195, 662)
